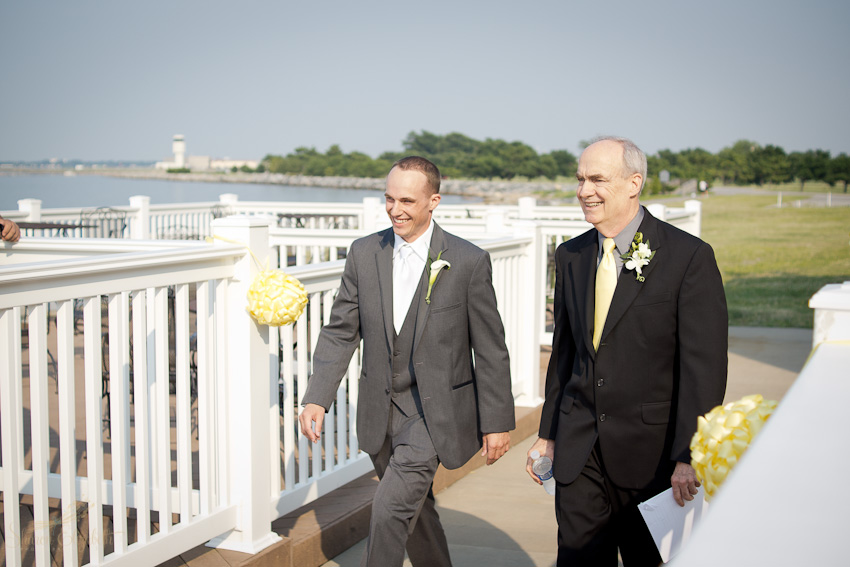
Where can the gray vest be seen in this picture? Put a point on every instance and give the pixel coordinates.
(405, 392)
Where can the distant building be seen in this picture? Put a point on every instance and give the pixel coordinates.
(199, 163)
(228, 164)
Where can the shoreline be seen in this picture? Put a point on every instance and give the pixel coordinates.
(495, 192)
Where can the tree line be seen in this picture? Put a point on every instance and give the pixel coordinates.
(455, 154)
(459, 156)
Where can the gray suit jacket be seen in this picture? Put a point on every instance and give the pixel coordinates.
(461, 400)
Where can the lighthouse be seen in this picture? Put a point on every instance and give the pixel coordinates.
(178, 146)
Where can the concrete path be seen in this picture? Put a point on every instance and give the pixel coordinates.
(495, 516)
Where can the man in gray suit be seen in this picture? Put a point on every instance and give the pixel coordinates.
(424, 399)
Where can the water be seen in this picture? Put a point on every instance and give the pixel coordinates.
(59, 191)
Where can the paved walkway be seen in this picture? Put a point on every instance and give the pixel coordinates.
(495, 516)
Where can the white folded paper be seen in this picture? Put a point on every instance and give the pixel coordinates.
(669, 523)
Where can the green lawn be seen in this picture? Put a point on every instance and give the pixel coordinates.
(773, 260)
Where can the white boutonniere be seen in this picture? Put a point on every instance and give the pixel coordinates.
(434, 269)
(639, 256)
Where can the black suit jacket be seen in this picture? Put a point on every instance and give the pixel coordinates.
(661, 362)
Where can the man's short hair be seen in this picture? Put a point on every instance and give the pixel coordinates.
(417, 163)
(634, 160)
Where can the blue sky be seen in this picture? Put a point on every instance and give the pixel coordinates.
(115, 80)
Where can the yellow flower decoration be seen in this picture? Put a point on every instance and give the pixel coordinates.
(275, 298)
(723, 436)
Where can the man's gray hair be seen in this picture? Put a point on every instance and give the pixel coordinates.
(634, 160)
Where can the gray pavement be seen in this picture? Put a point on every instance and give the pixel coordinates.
(496, 516)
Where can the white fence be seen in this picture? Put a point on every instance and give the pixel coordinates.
(770, 510)
(160, 415)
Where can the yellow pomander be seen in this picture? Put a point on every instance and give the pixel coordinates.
(275, 298)
(722, 437)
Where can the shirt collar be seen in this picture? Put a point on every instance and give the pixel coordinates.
(626, 236)
(420, 246)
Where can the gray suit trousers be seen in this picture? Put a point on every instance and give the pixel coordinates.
(403, 512)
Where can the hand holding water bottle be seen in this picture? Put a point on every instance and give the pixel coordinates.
(539, 463)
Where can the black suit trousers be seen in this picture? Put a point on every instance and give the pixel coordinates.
(596, 518)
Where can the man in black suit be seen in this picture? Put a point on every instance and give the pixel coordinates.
(634, 362)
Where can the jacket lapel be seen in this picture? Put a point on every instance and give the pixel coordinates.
(628, 287)
(438, 244)
(384, 263)
(584, 280)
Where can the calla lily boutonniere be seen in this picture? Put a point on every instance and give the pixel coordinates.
(434, 269)
(639, 256)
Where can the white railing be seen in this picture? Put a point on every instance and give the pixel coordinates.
(151, 342)
(192, 221)
(768, 511)
(115, 309)
(149, 346)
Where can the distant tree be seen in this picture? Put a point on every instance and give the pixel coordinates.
(839, 170)
(770, 164)
(391, 157)
(810, 165)
(423, 144)
(734, 163)
(565, 162)
(485, 166)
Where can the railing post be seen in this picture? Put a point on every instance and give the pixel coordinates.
(695, 224)
(495, 221)
(526, 207)
(532, 303)
(832, 313)
(658, 210)
(247, 376)
(32, 207)
(140, 228)
(371, 214)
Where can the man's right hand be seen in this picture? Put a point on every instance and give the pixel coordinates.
(312, 413)
(546, 447)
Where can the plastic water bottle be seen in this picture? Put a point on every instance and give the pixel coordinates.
(542, 467)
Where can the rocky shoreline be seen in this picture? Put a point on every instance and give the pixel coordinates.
(489, 191)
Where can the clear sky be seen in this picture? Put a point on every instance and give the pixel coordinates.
(115, 80)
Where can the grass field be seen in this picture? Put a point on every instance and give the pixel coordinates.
(773, 260)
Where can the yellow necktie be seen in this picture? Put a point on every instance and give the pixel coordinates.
(606, 283)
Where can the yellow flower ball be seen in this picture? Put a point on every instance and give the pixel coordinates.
(276, 298)
(723, 436)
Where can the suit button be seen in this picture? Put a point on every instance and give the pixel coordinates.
(602, 417)
(387, 391)
(396, 353)
(600, 382)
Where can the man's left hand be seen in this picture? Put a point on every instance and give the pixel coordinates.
(495, 445)
(684, 482)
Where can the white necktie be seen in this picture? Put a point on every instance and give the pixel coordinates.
(405, 279)
(606, 283)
